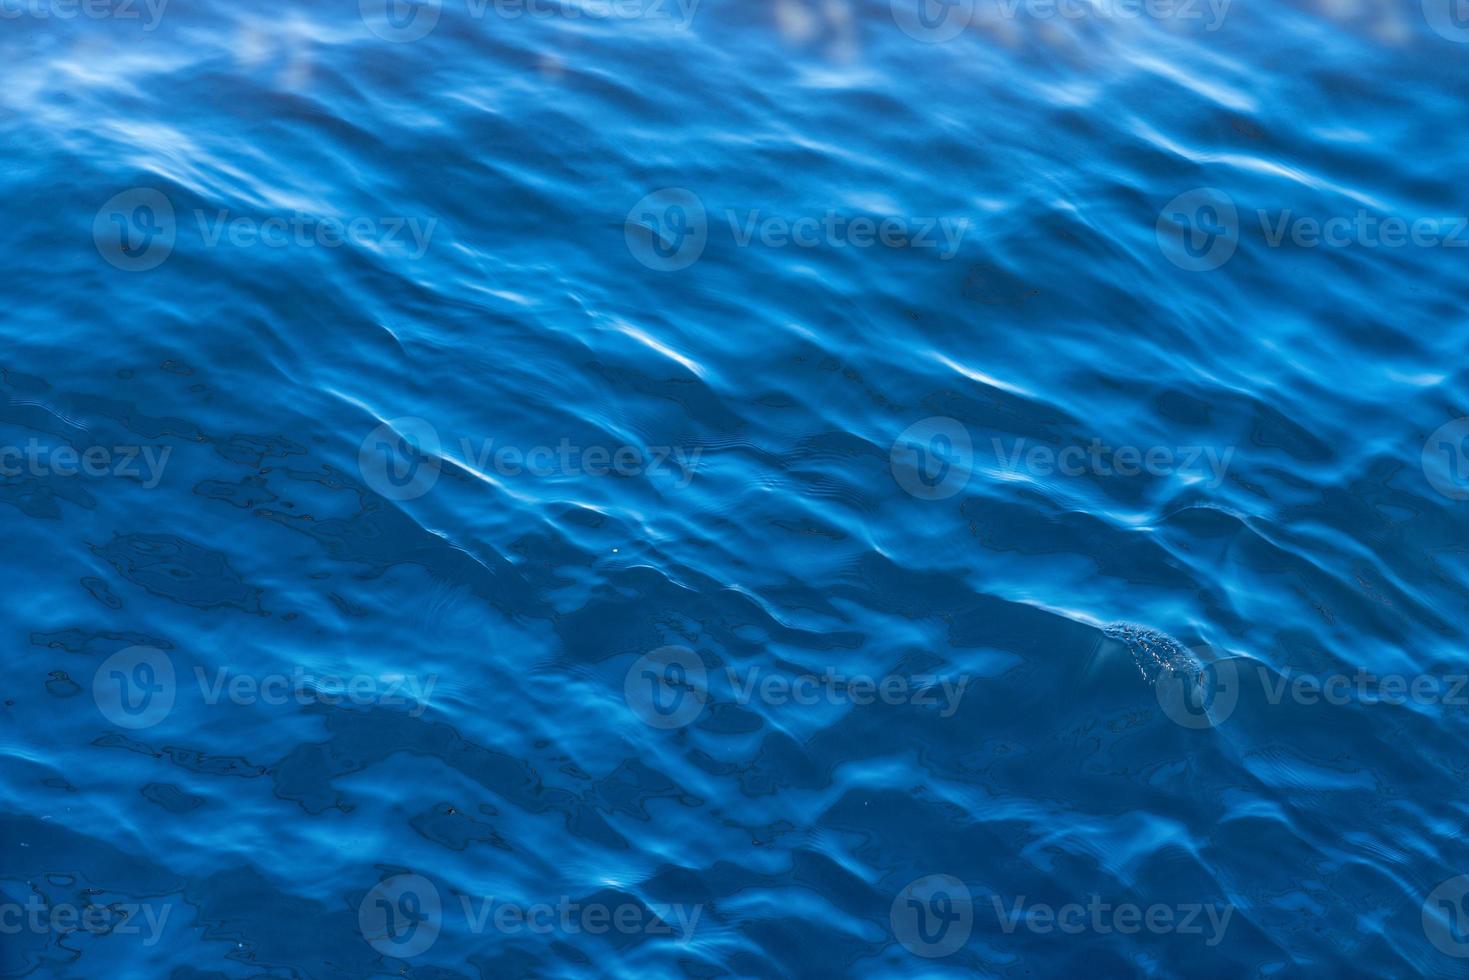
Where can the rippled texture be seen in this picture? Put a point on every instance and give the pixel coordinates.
(270, 545)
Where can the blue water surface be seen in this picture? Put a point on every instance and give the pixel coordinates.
(693, 488)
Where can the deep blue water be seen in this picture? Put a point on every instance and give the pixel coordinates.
(702, 489)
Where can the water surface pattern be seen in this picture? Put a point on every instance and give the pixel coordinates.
(688, 488)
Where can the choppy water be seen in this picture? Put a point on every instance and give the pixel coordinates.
(811, 488)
